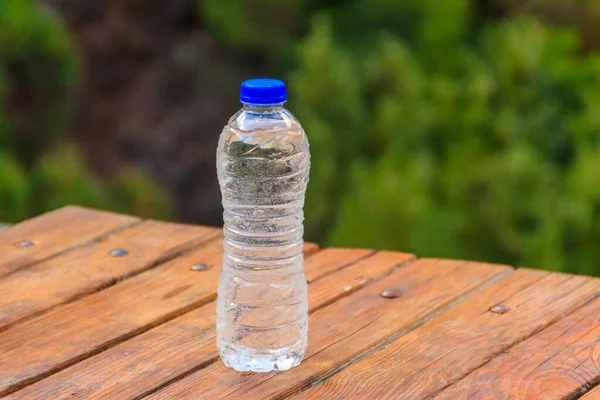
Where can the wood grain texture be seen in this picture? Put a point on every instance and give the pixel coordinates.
(593, 394)
(153, 358)
(52, 341)
(353, 277)
(332, 260)
(53, 233)
(89, 268)
(452, 345)
(76, 323)
(558, 362)
(344, 330)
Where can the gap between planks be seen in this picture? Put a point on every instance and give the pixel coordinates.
(591, 393)
(157, 278)
(411, 328)
(474, 337)
(518, 371)
(39, 229)
(94, 240)
(113, 355)
(334, 326)
(320, 306)
(80, 290)
(366, 353)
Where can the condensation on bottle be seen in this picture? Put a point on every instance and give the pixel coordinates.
(263, 164)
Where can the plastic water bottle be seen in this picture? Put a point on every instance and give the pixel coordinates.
(263, 165)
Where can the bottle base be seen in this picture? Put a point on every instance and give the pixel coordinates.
(244, 359)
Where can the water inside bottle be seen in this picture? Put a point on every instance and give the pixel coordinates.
(263, 164)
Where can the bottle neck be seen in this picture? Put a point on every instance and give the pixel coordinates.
(262, 108)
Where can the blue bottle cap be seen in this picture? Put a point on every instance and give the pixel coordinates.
(263, 91)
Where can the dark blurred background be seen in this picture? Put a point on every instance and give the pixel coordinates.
(455, 128)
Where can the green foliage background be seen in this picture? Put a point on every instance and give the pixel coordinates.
(39, 169)
(437, 130)
(437, 127)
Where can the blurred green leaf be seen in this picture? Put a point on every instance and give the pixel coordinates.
(39, 169)
(452, 142)
(15, 193)
(60, 178)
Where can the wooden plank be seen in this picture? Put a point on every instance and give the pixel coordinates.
(593, 394)
(38, 347)
(559, 362)
(90, 268)
(345, 329)
(328, 262)
(61, 337)
(310, 248)
(452, 345)
(331, 287)
(39, 238)
(155, 357)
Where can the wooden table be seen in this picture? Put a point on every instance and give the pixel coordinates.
(96, 305)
